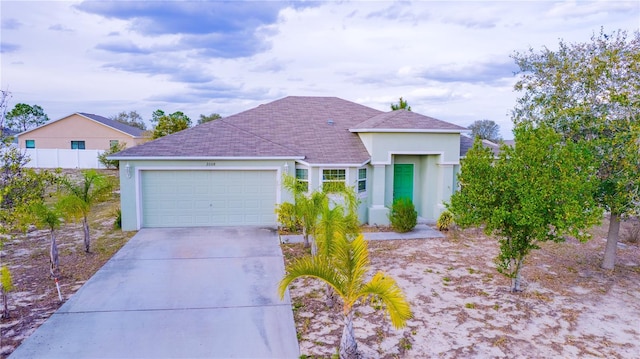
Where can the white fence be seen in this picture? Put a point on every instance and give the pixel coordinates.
(57, 158)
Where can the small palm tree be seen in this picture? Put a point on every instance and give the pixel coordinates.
(49, 218)
(307, 207)
(346, 273)
(80, 198)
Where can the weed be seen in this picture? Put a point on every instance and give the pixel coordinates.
(470, 306)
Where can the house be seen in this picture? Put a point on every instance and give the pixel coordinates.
(81, 131)
(228, 171)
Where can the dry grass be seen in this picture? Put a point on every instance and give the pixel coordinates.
(463, 308)
(34, 297)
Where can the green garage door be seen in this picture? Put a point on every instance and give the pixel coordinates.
(208, 198)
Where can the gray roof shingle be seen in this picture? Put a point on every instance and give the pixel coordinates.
(133, 131)
(316, 129)
(405, 120)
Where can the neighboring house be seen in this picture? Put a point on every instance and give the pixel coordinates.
(466, 142)
(81, 131)
(228, 171)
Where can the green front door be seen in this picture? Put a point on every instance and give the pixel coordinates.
(402, 181)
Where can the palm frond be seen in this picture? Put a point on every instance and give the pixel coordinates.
(386, 289)
(312, 267)
(351, 259)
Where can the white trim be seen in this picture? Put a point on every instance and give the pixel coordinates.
(390, 155)
(346, 175)
(333, 165)
(197, 158)
(409, 130)
(138, 180)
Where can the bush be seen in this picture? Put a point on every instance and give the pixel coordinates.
(117, 224)
(403, 216)
(111, 164)
(445, 220)
(287, 217)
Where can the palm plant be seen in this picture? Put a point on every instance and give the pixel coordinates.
(307, 207)
(80, 198)
(345, 272)
(49, 218)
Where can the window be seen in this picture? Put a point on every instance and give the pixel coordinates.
(113, 143)
(30, 143)
(333, 180)
(302, 176)
(77, 145)
(362, 180)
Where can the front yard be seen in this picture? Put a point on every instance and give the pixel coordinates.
(462, 307)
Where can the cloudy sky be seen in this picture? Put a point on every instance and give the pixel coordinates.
(449, 59)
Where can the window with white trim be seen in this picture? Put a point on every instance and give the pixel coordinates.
(334, 180)
(77, 145)
(302, 177)
(30, 143)
(362, 180)
(113, 143)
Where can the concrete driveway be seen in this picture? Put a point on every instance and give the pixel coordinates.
(177, 293)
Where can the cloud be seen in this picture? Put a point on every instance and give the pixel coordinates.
(218, 29)
(60, 27)
(126, 47)
(489, 72)
(582, 9)
(271, 66)
(6, 47)
(401, 10)
(10, 24)
(166, 66)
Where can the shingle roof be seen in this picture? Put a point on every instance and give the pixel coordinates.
(405, 120)
(316, 129)
(467, 142)
(133, 131)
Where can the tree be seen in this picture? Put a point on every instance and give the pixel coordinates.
(6, 286)
(401, 105)
(49, 217)
(79, 199)
(114, 148)
(24, 117)
(211, 117)
(306, 207)
(485, 130)
(168, 124)
(132, 119)
(346, 273)
(591, 91)
(541, 190)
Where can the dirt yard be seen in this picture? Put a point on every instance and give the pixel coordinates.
(462, 307)
(34, 297)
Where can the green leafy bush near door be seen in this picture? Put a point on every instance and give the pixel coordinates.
(403, 216)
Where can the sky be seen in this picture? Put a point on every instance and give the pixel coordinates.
(450, 60)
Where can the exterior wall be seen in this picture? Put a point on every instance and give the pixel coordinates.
(130, 179)
(435, 157)
(59, 134)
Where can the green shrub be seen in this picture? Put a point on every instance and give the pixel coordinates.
(445, 220)
(117, 224)
(111, 164)
(287, 217)
(403, 216)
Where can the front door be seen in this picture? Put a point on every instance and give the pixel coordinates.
(402, 181)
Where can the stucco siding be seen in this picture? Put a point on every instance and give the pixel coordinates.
(59, 134)
(384, 145)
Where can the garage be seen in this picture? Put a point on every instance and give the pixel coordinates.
(196, 198)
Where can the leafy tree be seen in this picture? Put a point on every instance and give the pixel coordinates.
(132, 118)
(49, 217)
(401, 105)
(79, 199)
(486, 130)
(346, 273)
(211, 117)
(114, 148)
(532, 193)
(6, 286)
(168, 124)
(591, 91)
(24, 117)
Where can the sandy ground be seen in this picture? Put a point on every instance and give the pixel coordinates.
(462, 306)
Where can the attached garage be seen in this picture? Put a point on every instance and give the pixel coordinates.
(194, 198)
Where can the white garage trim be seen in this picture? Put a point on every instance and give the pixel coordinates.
(139, 170)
